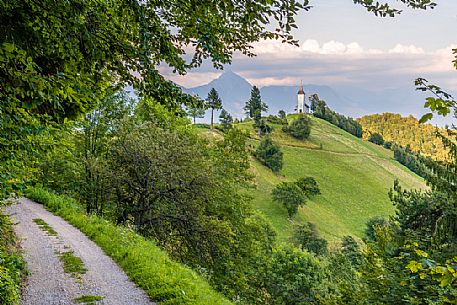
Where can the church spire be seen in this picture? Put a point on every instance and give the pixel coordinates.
(301, 88)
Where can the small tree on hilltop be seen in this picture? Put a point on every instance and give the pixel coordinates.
(255, 106)
(195, 112)
(270, 155)
(281, 114)
(226, 120)
(300, 128)
(314, 100)
(213, 102)
(290, 195)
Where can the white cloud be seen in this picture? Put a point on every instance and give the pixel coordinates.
(403, 49)
(311, 45)
(333, 47)
(334, 62)
(354, 48)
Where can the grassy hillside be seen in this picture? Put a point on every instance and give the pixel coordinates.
(354, 176)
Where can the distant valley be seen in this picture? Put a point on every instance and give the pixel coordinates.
(352, 101)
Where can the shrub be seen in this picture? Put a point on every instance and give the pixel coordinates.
(309, 186)
(226, 120)
(388, 144)
(351, 248)
(307, 237)
(276, 120)
(300, 128)
(376, 138)
(372, 224)
(263, 127)
(290, 195)
(293, 277)
(270, 155)
(11, 264)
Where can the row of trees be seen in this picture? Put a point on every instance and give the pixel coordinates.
(321, 110)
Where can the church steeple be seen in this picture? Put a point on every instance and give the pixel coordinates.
(300, 91)
(301, 105)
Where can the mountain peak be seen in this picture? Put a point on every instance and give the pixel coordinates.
(231, 76)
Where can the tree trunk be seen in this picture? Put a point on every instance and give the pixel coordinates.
(212, 114)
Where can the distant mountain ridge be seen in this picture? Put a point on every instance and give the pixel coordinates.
(351, 101)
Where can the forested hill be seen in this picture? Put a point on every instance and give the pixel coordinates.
(405, 131)
(354, 176)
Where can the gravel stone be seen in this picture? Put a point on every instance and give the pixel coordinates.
(47, 283)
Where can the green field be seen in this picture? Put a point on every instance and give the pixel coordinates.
(354, 176)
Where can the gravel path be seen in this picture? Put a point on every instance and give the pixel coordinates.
(46, 283)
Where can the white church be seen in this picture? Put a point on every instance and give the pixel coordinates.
(302, 107)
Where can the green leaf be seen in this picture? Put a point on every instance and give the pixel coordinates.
(9, 47)
(426, 117)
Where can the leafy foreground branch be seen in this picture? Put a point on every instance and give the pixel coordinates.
(164, 281)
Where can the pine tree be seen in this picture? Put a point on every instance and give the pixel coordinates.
(226, 120)
(255, 106)
(213, 102)
(195, 112)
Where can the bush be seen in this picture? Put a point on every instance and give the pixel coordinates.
(300, 128)
(293, 277)
(309, 186)
(307, 237)
(202, 125)
(165, 281)
(372, 224)
(351, 248)
(276, 120)
(388, 144)
(376, 138)
(262, 127)
(270, 155)
(11, 264)
(290, 195)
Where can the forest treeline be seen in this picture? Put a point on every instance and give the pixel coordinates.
(322, 111)
(406, 132)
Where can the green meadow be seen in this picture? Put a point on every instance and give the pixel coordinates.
(354, 176)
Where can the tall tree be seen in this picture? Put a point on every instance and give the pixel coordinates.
(213, 102)
(195, 112)
(255, 106)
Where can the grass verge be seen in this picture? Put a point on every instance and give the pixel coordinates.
(44, 226)
(88, 299)
(72, 264)
(165, 281)
(11, 263)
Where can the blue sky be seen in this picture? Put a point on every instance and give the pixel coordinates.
(342, 44)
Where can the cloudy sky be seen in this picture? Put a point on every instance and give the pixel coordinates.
(342, 44)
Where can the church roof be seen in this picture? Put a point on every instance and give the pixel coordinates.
(300, 91)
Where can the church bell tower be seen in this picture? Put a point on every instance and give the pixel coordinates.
(301, 106)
